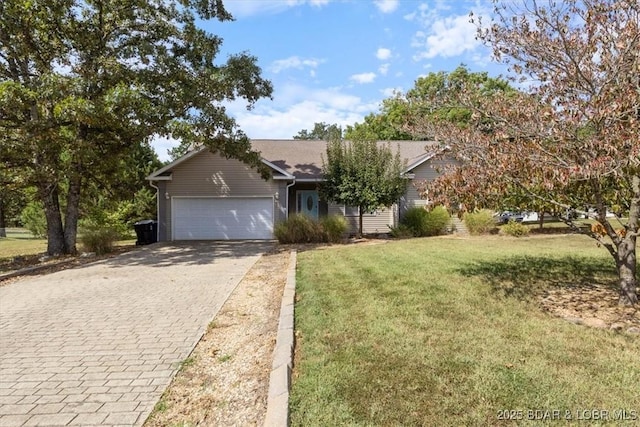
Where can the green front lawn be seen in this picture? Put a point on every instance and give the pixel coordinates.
(20, 242)
(446, 331)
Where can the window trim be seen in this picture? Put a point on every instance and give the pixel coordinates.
(355, 212)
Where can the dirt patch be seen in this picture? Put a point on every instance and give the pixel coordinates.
(225, 381)
(595, 306)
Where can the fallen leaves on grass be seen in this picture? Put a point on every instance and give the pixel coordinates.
(595, 306)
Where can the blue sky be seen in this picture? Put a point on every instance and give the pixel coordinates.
(334, 61)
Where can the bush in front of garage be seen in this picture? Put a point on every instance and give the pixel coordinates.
(303, 229)
(98, 238)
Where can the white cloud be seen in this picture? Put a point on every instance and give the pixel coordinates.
(242, 8)
(363, 78)
(481, 60)
(293, 108)
(386, 6)
(447, 37)
(297, 107)
(294, 62)
(446, 34)
(410, 16)
(292, 93)
(383, 53)
(388, 92)
(384, 69)
(277, 123)
(162, 145)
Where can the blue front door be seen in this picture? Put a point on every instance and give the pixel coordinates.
(307, 202)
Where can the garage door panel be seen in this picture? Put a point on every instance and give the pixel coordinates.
(222, 218)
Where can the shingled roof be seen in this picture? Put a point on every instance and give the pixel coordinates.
(303, 158)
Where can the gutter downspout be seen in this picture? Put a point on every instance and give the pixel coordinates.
(157, 209)
(287, 197)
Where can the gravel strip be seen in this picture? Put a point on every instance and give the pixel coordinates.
(225, 381)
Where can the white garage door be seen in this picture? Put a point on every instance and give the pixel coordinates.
(222, 218)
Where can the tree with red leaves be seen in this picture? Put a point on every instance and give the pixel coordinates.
(570, 139)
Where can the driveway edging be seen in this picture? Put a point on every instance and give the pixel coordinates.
(280, 379)
(29, 270)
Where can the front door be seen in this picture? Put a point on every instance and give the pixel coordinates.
(307, 203)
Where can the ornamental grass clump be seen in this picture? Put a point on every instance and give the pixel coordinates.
(479, 222)
(334, 228)
(515, 229)
(97, 238)
(299, 229)
(422, 222)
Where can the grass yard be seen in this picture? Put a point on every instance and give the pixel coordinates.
(447, 331)
(20, 242)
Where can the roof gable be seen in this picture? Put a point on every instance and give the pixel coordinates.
(303, 159)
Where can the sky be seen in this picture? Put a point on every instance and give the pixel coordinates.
(334, 61)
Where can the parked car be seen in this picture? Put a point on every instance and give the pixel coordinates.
(507, 216)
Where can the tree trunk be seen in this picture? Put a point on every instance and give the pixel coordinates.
(360, 211)
(72, 214)
(3, 225)
(626, 257)
(541, 219)
(626, 264)
(55, 233)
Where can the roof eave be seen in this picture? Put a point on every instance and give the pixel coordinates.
(319, 179)
(414, 165)
(286, 175)
(155, 176)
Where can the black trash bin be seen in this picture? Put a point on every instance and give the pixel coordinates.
(146, 231)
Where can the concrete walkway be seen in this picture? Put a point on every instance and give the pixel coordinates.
(98, 344)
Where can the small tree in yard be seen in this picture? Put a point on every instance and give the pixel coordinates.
(364, 174)
(572, 141)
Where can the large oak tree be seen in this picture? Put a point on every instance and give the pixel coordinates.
(570, 139)
(82, 81)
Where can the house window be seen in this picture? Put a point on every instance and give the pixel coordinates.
(350, 210)
(355, 211)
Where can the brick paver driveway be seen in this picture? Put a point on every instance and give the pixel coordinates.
(98, 344)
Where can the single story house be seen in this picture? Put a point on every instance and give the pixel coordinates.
(205, 196)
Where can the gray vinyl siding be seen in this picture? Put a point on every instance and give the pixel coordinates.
(425, 172)
(211, 175)
(164, 212)
(376, 223)
(280, 212)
